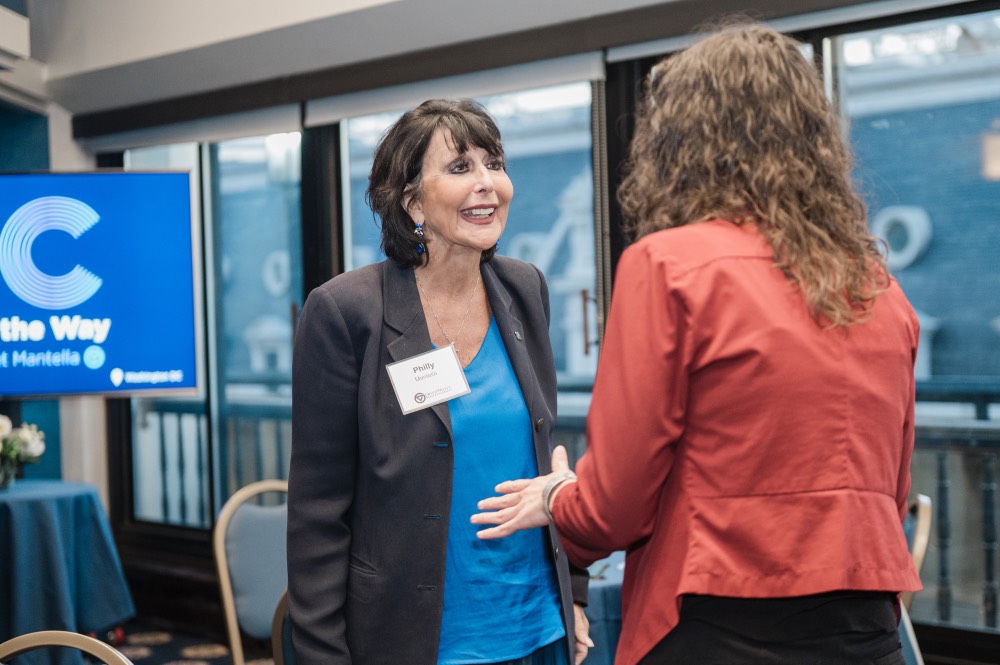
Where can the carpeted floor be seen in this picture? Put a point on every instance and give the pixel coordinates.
(147, 644)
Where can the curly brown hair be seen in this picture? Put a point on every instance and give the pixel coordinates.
(738, 127)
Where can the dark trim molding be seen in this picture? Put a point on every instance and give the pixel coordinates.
(580, 36)
(622, 89)
(948, 645)
(111, 160)
(12, 409)
(322, 232)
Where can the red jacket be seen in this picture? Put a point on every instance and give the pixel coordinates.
(735, 448)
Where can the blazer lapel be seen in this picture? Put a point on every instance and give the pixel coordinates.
(403, 314)
(513, 333)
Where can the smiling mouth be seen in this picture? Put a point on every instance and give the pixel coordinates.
(478, 213)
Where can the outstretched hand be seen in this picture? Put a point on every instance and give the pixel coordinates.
(520, 505)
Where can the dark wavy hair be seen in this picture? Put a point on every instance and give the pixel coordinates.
(399, 157)
(738, 127)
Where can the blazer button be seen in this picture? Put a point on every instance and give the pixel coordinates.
(539, 424)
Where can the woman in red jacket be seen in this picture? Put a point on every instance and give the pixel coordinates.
(751, 430)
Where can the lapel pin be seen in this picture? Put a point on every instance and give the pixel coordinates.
(517, 334)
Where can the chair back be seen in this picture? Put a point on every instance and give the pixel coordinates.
(917, 527)
(911, 650)
(250, 555)
(62, 638)
(281, 634)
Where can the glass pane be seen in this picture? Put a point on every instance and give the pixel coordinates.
(256, 251)
(253, 282)
(170, 434)
(547, 138)
(923, 107)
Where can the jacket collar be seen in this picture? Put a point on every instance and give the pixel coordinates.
(403, 313)
(512, 332)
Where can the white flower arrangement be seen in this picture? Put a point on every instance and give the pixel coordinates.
(20, 445)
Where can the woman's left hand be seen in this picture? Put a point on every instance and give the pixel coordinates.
(520, 506)
(581, 627)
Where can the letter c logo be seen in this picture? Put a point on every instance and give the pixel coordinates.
(48, 213)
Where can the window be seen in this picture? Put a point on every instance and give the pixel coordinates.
(250, 191)
(256, 255)
(922, 107)
(924, 111)
(169, 445)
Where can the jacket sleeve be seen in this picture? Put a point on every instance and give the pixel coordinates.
(909, 430)
(580, 581)
(635, 419)
(321, 481)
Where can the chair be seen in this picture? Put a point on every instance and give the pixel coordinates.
(281, 634)
(911, 650)
(62, 638)
(250, 554)
(917, 527)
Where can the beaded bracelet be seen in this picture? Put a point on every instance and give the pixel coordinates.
(550, 487)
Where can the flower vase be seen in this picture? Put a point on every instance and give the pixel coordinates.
(8, 473)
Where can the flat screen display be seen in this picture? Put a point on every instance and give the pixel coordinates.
(96, 283)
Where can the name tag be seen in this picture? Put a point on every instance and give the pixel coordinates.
(428, 379)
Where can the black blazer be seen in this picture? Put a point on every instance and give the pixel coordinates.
(369, 488)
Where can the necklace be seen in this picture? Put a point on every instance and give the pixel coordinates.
(434, 314)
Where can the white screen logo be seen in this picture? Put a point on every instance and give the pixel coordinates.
(49, 213)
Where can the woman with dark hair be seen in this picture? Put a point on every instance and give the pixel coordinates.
(751, 429)
(416, 381)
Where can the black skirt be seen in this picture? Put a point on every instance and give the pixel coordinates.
(838, 628)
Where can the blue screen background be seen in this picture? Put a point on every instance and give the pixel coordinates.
(141, 249)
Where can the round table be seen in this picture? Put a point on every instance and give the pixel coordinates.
(60, 567)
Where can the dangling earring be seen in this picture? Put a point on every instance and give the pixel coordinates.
(418, 230)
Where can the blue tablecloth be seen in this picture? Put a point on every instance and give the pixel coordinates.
(604, 609)
(59, 569)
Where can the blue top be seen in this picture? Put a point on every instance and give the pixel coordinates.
(501, 598)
